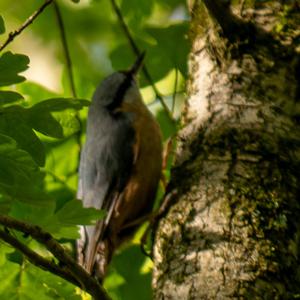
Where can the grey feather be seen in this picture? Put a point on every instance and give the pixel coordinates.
(106, 159)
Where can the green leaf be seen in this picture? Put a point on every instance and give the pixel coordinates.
(45, 123)
(63, 166)
(73, 213)
(59, 104)
(10, 65)
(33, 213)
(65, 232)
(20, 177)
(27, 282)
(9, 280)
(30, 194)
(168, 127)
(4, 249)
(68, 121)
(59, 124)
(54, 287)
(2, 26)
(16, 165)
(64, 223)
(171, 4)
(14, 124)
(122, 57)
(137, 9)
(168, 40)
(5, 205)
(18, 123)
(75, 1)
(162, 54)
(7, 97)
(128, 265)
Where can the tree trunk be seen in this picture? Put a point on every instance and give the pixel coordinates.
(232, 230)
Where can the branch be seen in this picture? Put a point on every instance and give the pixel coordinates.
(69, 70)
(137, 52)
(175, 91)
(15, 33)
(236, 29)
(65, 47)
(88, 283)
(38, 260)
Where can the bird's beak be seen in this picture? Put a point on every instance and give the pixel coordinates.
(138, 64)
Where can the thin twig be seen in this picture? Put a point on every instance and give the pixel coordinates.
(137, 52)
(88, 283)
(65, 48)
(166, 95)
(69, 71)
(15, 33)
(242, 6)
(56, 178)
(37, 259)
(175, 91)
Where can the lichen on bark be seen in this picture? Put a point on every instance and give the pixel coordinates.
(232, 231)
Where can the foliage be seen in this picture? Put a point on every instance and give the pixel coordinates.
(40, 128)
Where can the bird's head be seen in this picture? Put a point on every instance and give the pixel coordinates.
(119, 87)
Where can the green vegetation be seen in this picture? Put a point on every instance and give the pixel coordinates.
(42, 123)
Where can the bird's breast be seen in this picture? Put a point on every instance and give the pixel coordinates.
(139, 194)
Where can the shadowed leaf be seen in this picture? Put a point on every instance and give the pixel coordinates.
(9, 97)
(10, 67)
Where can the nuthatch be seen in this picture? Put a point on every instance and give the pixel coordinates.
(120, 167)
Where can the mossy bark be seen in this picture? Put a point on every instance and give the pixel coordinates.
(233, 228)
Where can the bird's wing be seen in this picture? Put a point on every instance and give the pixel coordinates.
(105, 168)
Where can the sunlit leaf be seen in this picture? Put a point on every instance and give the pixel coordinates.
(49, 286)
(40, 116)
(168, 127)
(4, 250)
(68, 121)
(128, 265)
(73, 213)
(34, 214)
(9, 280)
(60, 167)
(18, 123)
(136, 10)
(20, 282)
(63, 223)
(170, 3)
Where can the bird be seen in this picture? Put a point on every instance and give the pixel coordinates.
(120, 167)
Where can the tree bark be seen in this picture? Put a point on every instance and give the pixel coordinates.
(232, 229)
